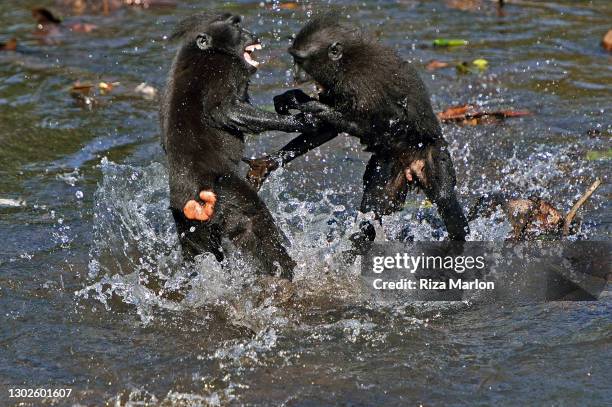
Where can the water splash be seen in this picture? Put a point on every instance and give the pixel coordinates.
(136, 258)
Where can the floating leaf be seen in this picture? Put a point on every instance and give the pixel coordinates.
(83, 94)
(83, 88)
(454, 112)
(476, 66)
(468, 114)
(464, 5)
(107, 87)
(284, 6)
(606, 42)
(435, 64)
(480, 63)
(463, 67)
(445, 42)
(10, 45)
(594, 155)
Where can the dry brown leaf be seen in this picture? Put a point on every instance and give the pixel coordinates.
(455, 113)
(464, 5)
(83, 88)
(10, 45)
(606, 42)
(435, 64)
(469, 115)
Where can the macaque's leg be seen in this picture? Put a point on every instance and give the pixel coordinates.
(197, 237)
(248, 223)
(384, 186)
(384, 192)
(436, 175)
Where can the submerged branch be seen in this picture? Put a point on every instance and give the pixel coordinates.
(572, 213)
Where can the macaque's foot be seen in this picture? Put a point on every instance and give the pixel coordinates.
(194, 210)
(360, 240)
(416, 172)
(260, 169)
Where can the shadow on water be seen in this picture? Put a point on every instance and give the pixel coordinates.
(94, 297)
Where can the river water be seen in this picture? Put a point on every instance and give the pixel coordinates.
(93, 296)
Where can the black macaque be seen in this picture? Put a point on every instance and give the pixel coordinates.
(205, 112)
(368, 91)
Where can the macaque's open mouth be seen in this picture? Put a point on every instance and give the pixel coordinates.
(248, 50)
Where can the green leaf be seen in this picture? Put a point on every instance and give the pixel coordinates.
(445, 42)
(593, 155)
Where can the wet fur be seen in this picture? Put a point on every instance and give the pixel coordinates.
(204, 144)
(379, 98)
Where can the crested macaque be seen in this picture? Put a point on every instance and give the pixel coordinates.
(205, 113)
(369, 92)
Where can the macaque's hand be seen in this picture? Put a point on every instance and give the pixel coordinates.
(202, 211)
(322, 112)
(260, 169)
(315, 107)
(310, 121)
(292, 99)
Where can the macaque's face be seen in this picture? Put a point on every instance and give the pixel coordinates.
(227, 35)
(317, 56)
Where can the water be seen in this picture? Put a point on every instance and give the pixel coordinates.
(92, 293)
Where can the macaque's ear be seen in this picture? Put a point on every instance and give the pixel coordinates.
(335, 51)
(204, 41)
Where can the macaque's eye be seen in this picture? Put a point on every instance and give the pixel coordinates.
(335, 51)
(204, 41)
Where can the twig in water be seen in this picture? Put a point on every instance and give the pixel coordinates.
(572, 213)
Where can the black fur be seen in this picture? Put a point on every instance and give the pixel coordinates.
(371, 93)
(205, 112)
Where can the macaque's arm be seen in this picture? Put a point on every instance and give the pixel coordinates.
(263, 166)
(290, 100)
(249, 119)
(303, 144)
(297, 100)
(330, 117)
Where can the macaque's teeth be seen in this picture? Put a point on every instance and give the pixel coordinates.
(249, 60)
(252, 47)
